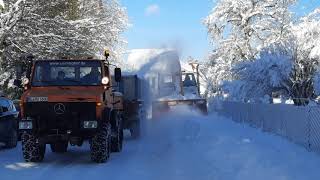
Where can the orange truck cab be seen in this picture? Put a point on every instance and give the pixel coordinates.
(68, 102)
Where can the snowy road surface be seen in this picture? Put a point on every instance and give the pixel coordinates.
(178, 147)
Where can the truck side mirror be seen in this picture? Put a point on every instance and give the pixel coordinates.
(18, 83)
(117, 74)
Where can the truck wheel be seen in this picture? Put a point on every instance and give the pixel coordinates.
(59, 147)
(100, 145)
(32, 150)
(117, 139)
(12, 140)
(135, 130)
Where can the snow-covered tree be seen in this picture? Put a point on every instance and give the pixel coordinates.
(10, 14)
(73, 28)
(104, 21)
(214, 74)
(240, 29)
(65, 29)
(270, 72)
(306, 56)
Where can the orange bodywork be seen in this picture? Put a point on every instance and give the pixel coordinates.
(75, 94)
(101, 95)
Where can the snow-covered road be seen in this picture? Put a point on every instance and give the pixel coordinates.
(178, 147)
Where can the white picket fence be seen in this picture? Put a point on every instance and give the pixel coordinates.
(300, 125)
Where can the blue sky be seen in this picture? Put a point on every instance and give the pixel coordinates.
(178, 24)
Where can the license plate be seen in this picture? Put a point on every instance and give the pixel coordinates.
(38, 99)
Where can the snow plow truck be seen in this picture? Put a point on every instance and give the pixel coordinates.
(168, 85)
(69, 102)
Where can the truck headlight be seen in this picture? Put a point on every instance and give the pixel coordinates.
(105, 80)
(25, 125)
(25, 81)
(90, 124)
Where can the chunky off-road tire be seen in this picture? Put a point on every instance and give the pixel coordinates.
(59, 147)
(12, 140)
(100, 145)
(135, 130)
(117, 134)
(31, 149)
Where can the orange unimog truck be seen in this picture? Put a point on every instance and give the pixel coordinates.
(68, 102)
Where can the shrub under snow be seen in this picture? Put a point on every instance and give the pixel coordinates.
(256, 79)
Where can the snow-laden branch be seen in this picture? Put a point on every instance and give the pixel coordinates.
(10, 16)
(56, 29)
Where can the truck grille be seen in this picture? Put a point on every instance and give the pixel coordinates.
(60, 116)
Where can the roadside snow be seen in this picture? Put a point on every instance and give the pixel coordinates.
(181, 146)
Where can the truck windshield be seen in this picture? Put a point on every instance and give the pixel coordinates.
(67, 73)
(189, 80)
